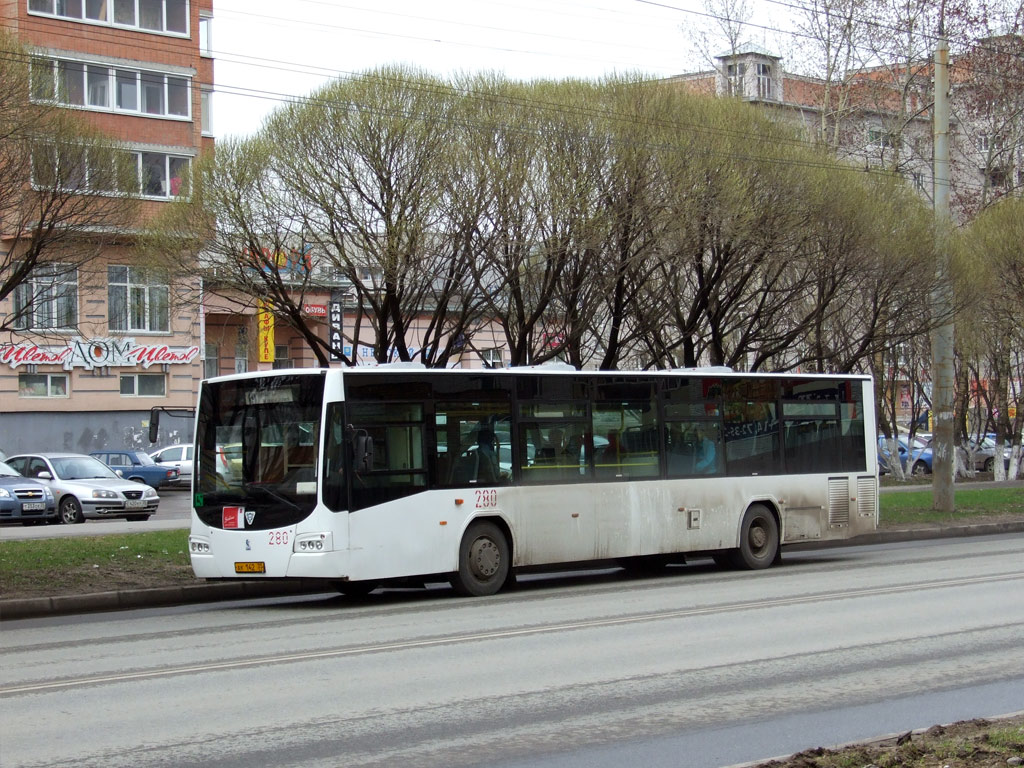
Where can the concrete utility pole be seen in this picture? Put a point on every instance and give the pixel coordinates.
(943, 459)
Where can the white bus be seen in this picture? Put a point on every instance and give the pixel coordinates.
(402, 474)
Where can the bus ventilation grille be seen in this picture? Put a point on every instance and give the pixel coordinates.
(838, 501)
(867, 496)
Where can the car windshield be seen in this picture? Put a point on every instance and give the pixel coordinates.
(6, 471)
(143, 458)
(82, 468)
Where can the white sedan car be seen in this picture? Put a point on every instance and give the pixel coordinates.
(85, 487)
(179, 456)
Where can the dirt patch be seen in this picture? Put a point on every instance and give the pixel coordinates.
(967, 744)
(101, 577)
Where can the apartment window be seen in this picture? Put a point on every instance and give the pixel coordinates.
(48, 299)
(43, 78)
(143, 385)
(492, 358)
(168, 16)
(73, 167)
(135, 302)
(161, 175)
(998, 178)
(764, 81)
(206, 116)
(206, 36)
(281, 356)
(242, 351)
(211, 361)
(883, 139)
(81, 84)
(42, 385)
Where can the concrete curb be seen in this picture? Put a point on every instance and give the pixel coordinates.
(33, 607)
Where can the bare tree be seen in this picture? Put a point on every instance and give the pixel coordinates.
(66, 193)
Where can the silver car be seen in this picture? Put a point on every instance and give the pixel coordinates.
(85, 487)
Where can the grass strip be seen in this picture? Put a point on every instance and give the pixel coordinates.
(93, 563)
(971, 504)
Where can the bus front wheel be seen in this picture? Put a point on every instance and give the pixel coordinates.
(759, 539)
(483, 561)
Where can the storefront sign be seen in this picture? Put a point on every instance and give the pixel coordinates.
(315, 310)
(96, 353)
(335, 331)
(266, 322)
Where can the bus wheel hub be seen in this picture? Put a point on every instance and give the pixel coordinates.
(758, 537)
(485, 558)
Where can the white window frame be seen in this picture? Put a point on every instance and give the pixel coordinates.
(881, 138)
(115, 77)
(493, 358)
(165, 162)
(135, 377)
(205, 34)
(142, 298)
(764, 81)
(211, 360)
(50, 292)
(77, 10)
(206, 111)
(51, 379)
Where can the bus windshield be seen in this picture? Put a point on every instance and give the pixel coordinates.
(257, 442)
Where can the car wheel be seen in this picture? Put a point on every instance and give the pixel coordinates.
(920, 468)
(71, 511)
(990, 465)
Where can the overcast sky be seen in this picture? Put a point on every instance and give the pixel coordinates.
(267, 50)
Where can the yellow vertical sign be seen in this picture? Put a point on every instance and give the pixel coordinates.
(266, 322)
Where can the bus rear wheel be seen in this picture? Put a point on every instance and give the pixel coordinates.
(759, 539)
(483, 561)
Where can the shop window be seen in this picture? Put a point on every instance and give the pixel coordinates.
(143, 385)
(42, 385)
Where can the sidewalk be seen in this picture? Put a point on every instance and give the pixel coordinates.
(200, 592)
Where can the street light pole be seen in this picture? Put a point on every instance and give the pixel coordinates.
(942, 335)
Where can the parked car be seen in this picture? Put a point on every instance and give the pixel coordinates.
(884, 465)
(983, 453)
(85, 487)
(920, 455)
(178, 456)
(138, 466)
(24, 501)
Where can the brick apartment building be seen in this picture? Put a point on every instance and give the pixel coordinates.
(881, 117)
(103, 343)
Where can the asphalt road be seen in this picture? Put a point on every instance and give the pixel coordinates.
(696, 668)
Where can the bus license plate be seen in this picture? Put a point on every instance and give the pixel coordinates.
(135, 503)
(250, 567)
(32, 506)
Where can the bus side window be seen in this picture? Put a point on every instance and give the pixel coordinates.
(334, 459)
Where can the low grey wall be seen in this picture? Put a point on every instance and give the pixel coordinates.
(88, 431)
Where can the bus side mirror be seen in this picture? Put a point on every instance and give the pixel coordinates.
(154, 425)
(362, 452)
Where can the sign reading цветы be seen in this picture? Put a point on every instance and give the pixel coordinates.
(95, 353)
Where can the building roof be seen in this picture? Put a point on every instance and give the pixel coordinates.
(748, 47)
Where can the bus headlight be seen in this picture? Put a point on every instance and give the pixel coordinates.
(198, 545)
(312, 543)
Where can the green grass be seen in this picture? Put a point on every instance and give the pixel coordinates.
(973, 503)
(79, 564)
